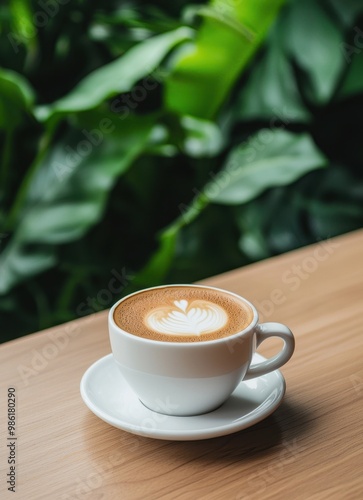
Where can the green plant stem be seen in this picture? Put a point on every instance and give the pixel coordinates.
(41, 301)
(67, 292)
(23, 189)
(158, 266)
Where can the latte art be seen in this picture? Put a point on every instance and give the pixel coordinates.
(195, 317)
(182, 313)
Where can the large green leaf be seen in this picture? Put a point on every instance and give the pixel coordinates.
(271, 91)
(249, 170)
(270, 158)
(205, 72)
(118, 76)
(313, 40)
(268, 227)
(320, 205)
(69, 191)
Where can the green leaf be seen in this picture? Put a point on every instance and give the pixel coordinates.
(203, 75)
(353, 81)
(331, 218)
(334, 205)
(313, 40)
(18, 261)
(23, 22)
(201, 251)
(69, 191)
(323, 204)
(348, 10)
(116, 77)
(271, 91)
(270, 158)
(202, 137)
(250, 169)
(16, 97)
(250, 219)
(60, 223)
(268, 227)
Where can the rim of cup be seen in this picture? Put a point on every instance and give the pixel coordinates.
(171, 342)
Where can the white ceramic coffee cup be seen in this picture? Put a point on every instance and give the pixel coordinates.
(190, 378)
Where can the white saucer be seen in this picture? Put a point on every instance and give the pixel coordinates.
(108, 396)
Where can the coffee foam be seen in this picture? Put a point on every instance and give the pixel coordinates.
(183, 314)
(196, 317)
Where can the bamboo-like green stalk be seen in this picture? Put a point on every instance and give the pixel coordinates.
(230, 33)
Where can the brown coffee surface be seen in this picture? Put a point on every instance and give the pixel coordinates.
(183, 314)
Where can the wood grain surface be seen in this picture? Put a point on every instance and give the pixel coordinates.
(310, 448)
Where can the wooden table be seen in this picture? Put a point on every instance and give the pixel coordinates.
(310, 448)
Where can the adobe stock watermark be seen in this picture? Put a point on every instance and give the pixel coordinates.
(60, 339)
(40, 358)
(74, 155)
(291, 280)
(262, 479)
(349, 51)
(106, 296)
(357, 384)
(123, 105)
(293, 277)
(47, 9)
(156, 417)
(245, 153)
(94, 480)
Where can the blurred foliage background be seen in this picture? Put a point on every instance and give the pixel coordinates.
(143, 143)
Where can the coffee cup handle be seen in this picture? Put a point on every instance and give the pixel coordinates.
(264, 331)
